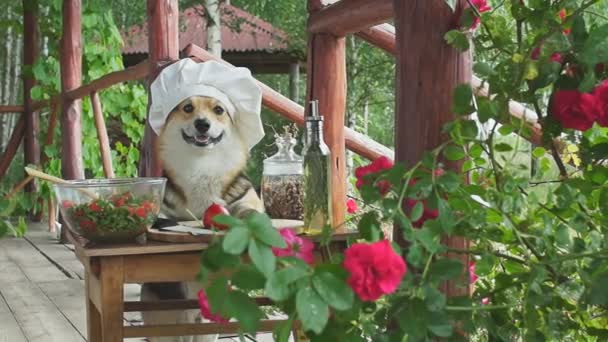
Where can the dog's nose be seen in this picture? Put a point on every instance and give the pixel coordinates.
(202, 125)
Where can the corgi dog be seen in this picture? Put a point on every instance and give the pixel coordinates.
(203, 157)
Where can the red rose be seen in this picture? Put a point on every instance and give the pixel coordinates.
(298, 247)
(374, 269)
(535, 54)
(601, 95)
(203, 303)
(351, 206)
(574, 109)
(378, 165)
(482, 6)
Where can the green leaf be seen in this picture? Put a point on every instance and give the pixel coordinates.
(457, 39)
(453, 152)
(228, 220)
(3, 228)
(588, 82)
(215, 258)
(216, 295)
(445, 269)
(248, 277)
(434, 299)
(368, 227)
(261, 227)
(503, 147)
(282, 331)
(417, 211)
(603, 200)
(333, 290)
(462, 100)
(440, 325)
(277, 285)
(262, 257)
(487, 109)
(245, 310)
(538, 152)
(312, 310)
(428, 239)
(236, 240)
(483, 69)
(595, 49)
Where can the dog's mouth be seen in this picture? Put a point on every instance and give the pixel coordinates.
(201, 140)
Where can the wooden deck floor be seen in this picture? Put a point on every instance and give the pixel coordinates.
(42, 292)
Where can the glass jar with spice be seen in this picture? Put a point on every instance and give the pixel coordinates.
(282, 189)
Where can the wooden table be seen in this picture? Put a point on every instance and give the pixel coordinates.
(109, 268)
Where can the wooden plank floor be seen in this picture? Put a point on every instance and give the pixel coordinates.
(42, 292)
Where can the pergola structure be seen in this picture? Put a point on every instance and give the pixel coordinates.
(427, 72)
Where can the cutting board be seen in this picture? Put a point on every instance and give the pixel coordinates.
(205, 235)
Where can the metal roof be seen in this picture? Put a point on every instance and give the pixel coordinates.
(241, 32)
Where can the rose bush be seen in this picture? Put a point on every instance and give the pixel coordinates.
(535, 265)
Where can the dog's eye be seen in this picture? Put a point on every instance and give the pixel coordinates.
(218, 110)
(188, 108)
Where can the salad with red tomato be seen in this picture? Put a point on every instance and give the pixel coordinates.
(117, 213)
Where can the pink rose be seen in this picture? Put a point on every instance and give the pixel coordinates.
(482, 6)
(374, 269)
(472, 276)
(556, 57)
(574, 109)
(203, 303)
(351, 206)
(601, 95)
(296, 246)
(485, 301)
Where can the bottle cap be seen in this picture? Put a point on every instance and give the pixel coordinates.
(313, 112)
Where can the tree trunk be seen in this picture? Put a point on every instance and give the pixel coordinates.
(214, 27)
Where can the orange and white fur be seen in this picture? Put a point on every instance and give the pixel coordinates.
(203, 157)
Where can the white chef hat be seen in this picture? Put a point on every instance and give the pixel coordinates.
(233, 86)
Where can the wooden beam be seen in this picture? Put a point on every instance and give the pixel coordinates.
(349, 16)
(12, 146)
(326, 82)
(382, 36)
(11, 109)
(71, 77)
(356, 142)
(102, 135)
(163, 40)
(133, 73)
(419, 120)
(30, 54)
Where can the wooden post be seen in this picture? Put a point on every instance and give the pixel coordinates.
(294, 80)
(163, 42)
(326, 83)
(427, 72)
(71, 77)
(32, 124)
(102, 135)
